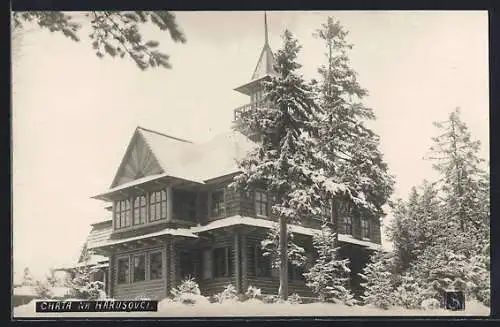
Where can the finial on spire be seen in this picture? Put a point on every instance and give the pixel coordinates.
(265, 28)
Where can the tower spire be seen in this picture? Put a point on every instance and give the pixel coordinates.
(266, 38)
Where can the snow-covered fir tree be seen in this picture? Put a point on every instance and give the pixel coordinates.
(27, 278)
(379, 281)
(82, 286)
(286, 162)
(270, 247)
(329, 276)
(455, 157)
(351, 147)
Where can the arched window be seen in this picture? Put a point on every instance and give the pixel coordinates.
(140, 210)
(158, 205)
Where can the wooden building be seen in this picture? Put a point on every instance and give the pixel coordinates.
(174, 216)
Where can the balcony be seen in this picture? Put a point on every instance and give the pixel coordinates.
(241, 111)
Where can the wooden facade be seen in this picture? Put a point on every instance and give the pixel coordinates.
(172, 199)
(215, 257)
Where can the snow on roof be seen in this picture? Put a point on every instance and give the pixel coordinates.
(99, 233)
(24, 291)
(242, 220)
(167, 231)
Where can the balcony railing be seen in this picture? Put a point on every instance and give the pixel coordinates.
(241, 111)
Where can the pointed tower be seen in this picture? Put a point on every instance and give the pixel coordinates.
(264, 70)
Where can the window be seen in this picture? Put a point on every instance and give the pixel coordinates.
(123, 271)
(207, 264)
(139, 267)
(222, 262)
(217, 207)
(263, 266)
(140, 212)
(122, 214)
(261, 204)
(158, 205)
(155, 265)
(184, 205)
(348, 225)
(186, 264)
(365, 228)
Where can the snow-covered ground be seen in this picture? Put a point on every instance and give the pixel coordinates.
(248, 308)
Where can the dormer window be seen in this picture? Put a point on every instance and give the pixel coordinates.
(122, 214)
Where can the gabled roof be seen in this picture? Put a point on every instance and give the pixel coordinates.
(265, 64)
(188, 161)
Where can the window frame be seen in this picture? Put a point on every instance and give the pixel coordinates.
(117, 274)
(133, 267)
(258, 203)
(222, 212)
(162, 259)
(228, 262)
(365, 227)
(157, 200)
(122, 211)
(348, 223)
(140, 210)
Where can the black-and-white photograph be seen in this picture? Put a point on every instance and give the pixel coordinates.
(250, 163)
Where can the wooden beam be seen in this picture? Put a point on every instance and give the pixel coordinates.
(244, 263)
(237, 261)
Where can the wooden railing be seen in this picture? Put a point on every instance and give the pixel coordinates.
(241, 111)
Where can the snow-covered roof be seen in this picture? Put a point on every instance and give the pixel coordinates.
(257, 222)
(191, 162)
(24, 290)
(167, 231)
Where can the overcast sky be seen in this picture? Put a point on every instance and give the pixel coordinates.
(74, 114)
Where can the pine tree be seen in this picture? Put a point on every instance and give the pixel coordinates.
(81, 284)
(27, 278)
(415, 225)
(455, 157)
(270, 247)
(352, 148)
(379, 281)
(329, 275)
(113, 33)
(286, 163)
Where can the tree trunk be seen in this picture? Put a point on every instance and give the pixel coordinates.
(283, 253)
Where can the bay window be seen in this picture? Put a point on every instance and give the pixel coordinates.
(140, 210)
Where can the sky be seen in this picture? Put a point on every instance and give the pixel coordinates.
(73, 114)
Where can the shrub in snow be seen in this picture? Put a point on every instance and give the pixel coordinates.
(188, 292)
(43, 290)
(269, 299)
(329, 276)
(229, 293)
(142, 297)
(409, 294)
(294, 299)
(253, 292)
(378, 282)
(430, 304)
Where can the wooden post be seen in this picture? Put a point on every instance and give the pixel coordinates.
(172, 266)
(244, 263)
(165, 265)
(283, 246)
(110, 275)
(170, 203)
(237, 261)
